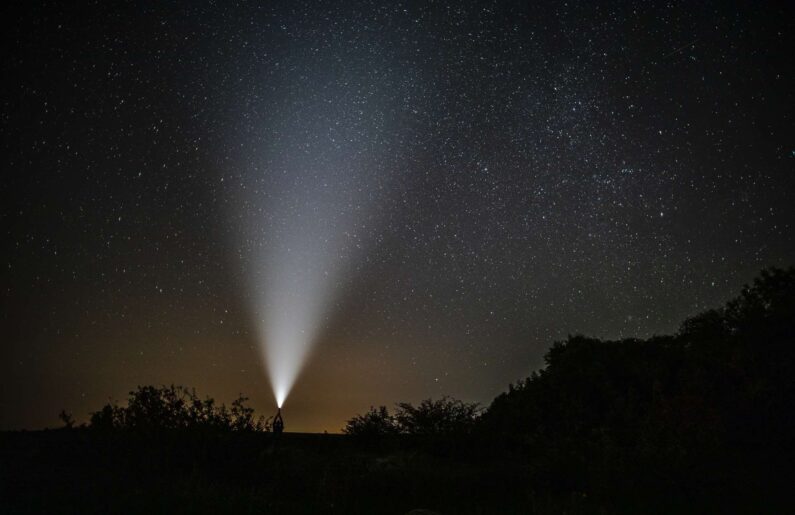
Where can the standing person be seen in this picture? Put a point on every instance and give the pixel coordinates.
(278, 423)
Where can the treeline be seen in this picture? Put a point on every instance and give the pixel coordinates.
(724, 381)
(710, 402)
(446, 416)
(155, 409)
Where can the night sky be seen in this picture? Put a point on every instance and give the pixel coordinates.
(469, 181)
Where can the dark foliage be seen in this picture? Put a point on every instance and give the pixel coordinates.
(67, 419)
(441, 417)
(709, 407)
(446, 416)
(156, 409)
(374, 423)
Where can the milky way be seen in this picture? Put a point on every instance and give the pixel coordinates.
(458, 186)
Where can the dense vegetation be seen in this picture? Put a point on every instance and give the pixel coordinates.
(708, 411)
(445, 416)
(168, 408)
(612, 411)
(700, 421)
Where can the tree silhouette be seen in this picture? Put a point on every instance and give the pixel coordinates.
(152, 409)
(440, 417)
(445, 416)
(674, 403)
(67, 419)
(373, 423)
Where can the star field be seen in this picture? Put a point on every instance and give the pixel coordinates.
(493, 176)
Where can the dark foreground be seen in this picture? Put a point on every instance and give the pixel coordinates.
(76, 471)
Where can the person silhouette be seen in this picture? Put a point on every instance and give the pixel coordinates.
(278, 423)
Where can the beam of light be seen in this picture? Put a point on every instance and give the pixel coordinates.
(311, 165)
(304, 212)
(300, 272)
(299, 240)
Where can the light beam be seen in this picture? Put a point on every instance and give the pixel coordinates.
(311, 166)
(304, 218)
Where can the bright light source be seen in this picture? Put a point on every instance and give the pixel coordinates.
(302, 207)
(295, 271)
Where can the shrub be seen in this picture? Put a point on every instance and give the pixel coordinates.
(151, 408)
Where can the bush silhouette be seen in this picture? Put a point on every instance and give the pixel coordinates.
(681, 403)
(441, 417)
(445, 416)
(152, 408)
(67, 419)
(373, 423)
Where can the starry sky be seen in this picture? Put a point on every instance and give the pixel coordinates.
(493, 176)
